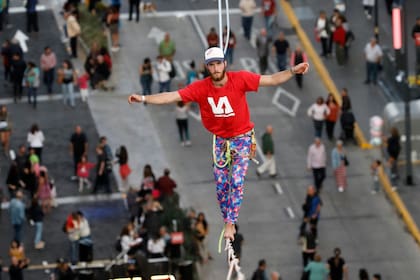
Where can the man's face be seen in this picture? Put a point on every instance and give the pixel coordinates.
(217, 70)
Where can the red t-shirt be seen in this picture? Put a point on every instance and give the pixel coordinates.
(269, 7)
(224, 111)
(83, 81)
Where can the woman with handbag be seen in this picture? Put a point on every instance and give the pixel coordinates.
(339, 164)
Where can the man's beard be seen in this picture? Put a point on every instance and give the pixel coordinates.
(219, 76)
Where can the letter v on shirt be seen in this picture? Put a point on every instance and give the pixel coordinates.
(222, 109)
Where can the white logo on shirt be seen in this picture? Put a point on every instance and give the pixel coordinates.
(222, 109)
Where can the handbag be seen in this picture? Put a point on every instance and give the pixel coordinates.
(346, 161)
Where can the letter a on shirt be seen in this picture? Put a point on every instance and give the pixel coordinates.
(222, 109)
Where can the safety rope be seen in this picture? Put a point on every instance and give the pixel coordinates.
(233, 261)
(220, 9)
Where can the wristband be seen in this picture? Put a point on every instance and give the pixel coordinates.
(292, 70)
(143, 99)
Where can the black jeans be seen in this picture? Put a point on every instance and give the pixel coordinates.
(329, 127)
(73, 46)
(318, 128)
(134, 5)
(32, 22)
(299, 80)
(324, 45)
(306, 257)
(49, 79)
(263, 61)
(319, 176)
(17, 87)
(183, 129)
(102, 180)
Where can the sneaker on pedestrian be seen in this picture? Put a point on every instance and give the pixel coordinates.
(188, 143)
(373, 192)
(340, 189)
(40, 245)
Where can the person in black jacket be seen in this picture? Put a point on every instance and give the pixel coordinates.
(347, 121)
(18, 67)
(393, 148)
(260, 273)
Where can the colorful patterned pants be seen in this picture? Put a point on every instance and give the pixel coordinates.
(230, 178)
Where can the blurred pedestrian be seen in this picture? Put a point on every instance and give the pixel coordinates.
(63, 271)
(339, 164)
(167, 48)
(322, 29)
(102, 172)
(337, 265)
(83, 172)
(393, 148)
(231, 44)
(268, 151)
(78, 148)
(212, 38)
(48, 62)
(336, 14)
(368, 6)
(269, 11)
(6, 56)
(31, 82)
(73, 30)
(148, 182)
(308, 241)
(113, 22)
(83, 82)
(35, 139)
(134, 7)
(201, 233)
(192, 74)
(16, 268)
(374, 171)
(146, 76)
(72, 228)
(44, 191)
(36, 215)
(317, 269)
(316, 161)
(248, 8)
(318, 112)
(18, 67)
(415, 34)
(373, 56)
(17, 215)
(363, 274)
(263, 50)
(31, 16)
(125, 170)
(164, 67)
(260, 273)
(237, 243)
(311, 212)
(298, 56)
(332, 117)
(67, 78)
(181, 115)
(347, 121)
(5, 129)
(345, 100)
(165, 184)
(281, 49)
(339, 38)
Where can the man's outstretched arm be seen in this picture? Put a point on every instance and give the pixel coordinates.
(283, 76)
(161, 98)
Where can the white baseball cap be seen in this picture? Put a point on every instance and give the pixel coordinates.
(214, 54)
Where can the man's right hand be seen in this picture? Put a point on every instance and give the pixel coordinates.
(134, 98)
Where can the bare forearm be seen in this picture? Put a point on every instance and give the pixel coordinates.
(161, 98)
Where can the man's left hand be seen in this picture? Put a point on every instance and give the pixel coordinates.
(301, 68)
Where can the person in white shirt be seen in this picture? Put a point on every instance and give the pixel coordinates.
(156, 246)
(318, 113)
(36, 140)
(163, 69)
(181, 115)
(248, 8)
(373, 55)
(316, 161)
(322, 29)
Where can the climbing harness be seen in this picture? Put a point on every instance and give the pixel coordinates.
(224, 48)
(229, 154)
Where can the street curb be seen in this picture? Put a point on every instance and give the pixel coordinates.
(320, 67)
(399, 205)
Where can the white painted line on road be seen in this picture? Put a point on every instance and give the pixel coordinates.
(16, 10)
(278, 188)
(199, 30)
(279, 92)
(80, 199)
(290, 212)
(40, 98)
(184, 13)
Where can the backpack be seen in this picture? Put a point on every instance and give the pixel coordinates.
(118, 246)
(172, 73)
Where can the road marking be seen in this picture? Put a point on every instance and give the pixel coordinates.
(22, 38)
(278, 188)
(185, 13)
(195, 115)
(290, 213)
(81, 199)
(41, 98)
(199, 30)
(157, 34)
(17, 10)
(281, 91)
